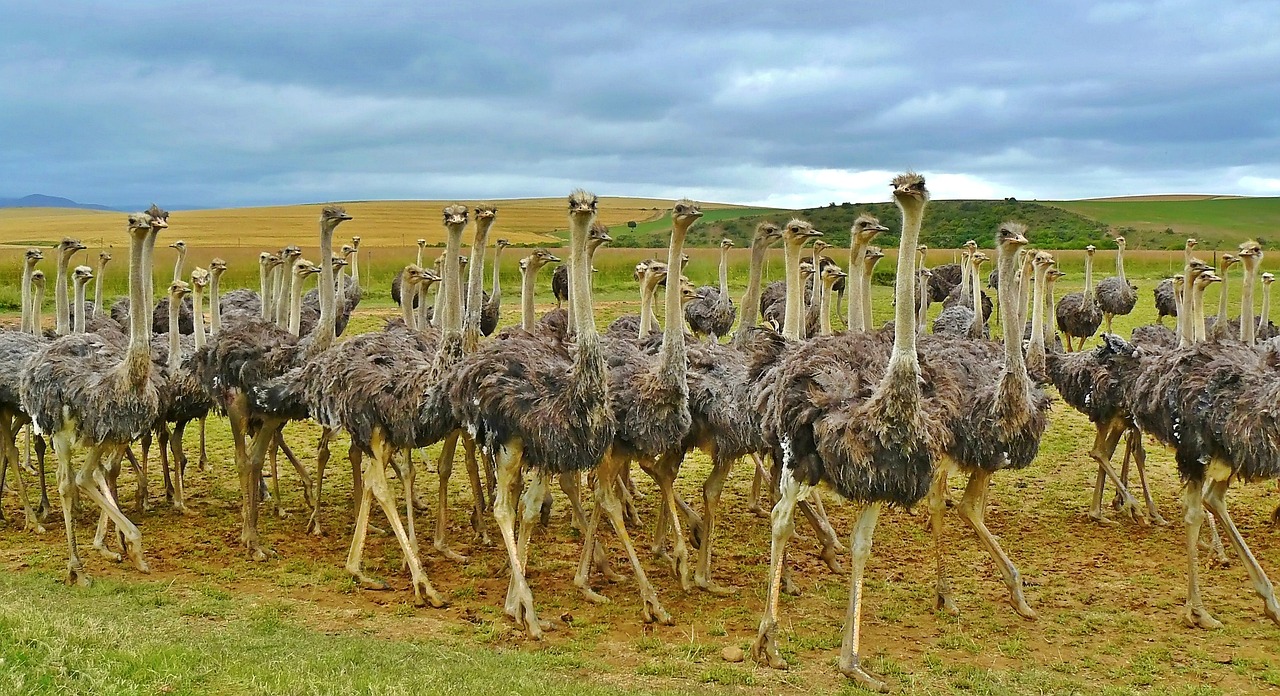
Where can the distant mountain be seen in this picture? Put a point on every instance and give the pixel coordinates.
(39, 200)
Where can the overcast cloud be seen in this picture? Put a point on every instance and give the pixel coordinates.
(225, 103)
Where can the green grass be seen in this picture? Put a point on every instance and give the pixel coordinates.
(1165, 224)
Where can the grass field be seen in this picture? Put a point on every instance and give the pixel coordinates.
(210, 621)
(1215, 220)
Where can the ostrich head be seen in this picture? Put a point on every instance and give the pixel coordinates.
(1179, 282)
(684, 261)
(873, 255)
(348, 250)
(1042, 259)
(104, 257)
(910, 192)
(422, 243)
(926, 274)
(414, 274)
(455, 216)
(68, 246)
(34, 255)
(428, 277)
(290, 254)
(486, 211)
(200, 277)
(766, 234)
(806, 268)
(81, 275)
(1011, 236)
(797, 233)
(1191, 243)
(971, 246)
(688, 291)
(264, 259)
(503, 244)
(599, 234)
(1088, 251)
(1268, 278)
(727, 243)
(180, 245)
(178, 289)
(139, 226)
(1053, 275)
(303, 268)
(1118, 352)
(1120, 243)
(337, 261)
(819, 246)
(274, 261)
(865, 228)
(332, 216)
(355, 241)
(538, 259)
(582, 203)
(463, 260)
(685, 213)
(1206, 279)
(977, 259)
(831, 273)
(37, 280)
(1228, 260)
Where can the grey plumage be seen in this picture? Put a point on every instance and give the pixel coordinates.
(1166, 301)
(1116, 296)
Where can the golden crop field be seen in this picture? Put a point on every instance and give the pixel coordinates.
(378, 223)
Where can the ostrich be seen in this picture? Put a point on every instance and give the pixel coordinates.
(1115, 294)
(1078, 313)
(367, 385)
(80, 277)
(1266, 330)
(945, 278)
(30, 258)
(492, 308)
(1158, 335)
(185, 398)
(830, 275)
(529, 267)
(15, 348)
(774, 300)
(960, 319)
(865, 420)
(1219, 327)
(999, 426)
(861, 234)
(243, 358)
(397, 294)
(560, 278)
(870, 258)
(1250, 255)
(100, 279)
(534, 401)
(122, 308)
(1210, 403)
(712, 312)
(67, 248)
(83, 391)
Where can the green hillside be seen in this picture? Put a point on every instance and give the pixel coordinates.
(1161, 223)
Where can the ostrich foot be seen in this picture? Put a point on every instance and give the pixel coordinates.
(203, 463)
(758, 510)
(107, 553)
(424, 594)
(1024, 610)
(520, 609)
(184, 510)
(33, 524)
(680, 566)
(449, 553)
(789, 586)
(710, 585)
(1157, 519)
(76, 574)
(591, 595)
(313, 523)
(765, 650)
(943, 602)
(864, 678)
(1097, 516)
(368, 583)
(44, 512)
(257, 551)
(544, 513)
(1199, 617)
(478, 526)
(829, 557)
(651, 611)
(135, 554)
(1130, 509)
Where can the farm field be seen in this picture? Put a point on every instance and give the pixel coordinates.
(1213, 219)
(209, 621)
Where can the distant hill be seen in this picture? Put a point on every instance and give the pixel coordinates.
(1160, 223)
(39, 200)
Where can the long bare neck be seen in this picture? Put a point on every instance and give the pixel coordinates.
(1201, 334)
(295, 308)
(749, 310)
(496, 295)
(1036, 351)
(1247, 328)
(1015, 369)
(37, 310)
(1024, 288)
(325, 325)
(175, 348)
(964, 279)
(672, 356)
(267, 280)
(1266, 306)
(824, 308)
(28, 267)
(1088, 276)
(1049, 309)
(904, 363)
(724, 274)
(922, 298)
(1222, 297)
(406, 309)
(60, 295)
(975, 329)
(448, 295)
(1120, 263)
(99, 279)
(284, 291)
(475, 285)
(197, 315)
(138, 355)
(793, 323)
(437, 310)
(78, 326)
(215, 303)
(528, 276)
(179, 263)
(648, 318)
(355, 268)
(589, 367)
(868, 267)
(857, 249)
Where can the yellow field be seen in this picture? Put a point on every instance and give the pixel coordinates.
(378, 223)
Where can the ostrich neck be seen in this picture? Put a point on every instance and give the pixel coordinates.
(475, 285)
(323, 332)
(138, 354)
(37, 310)
(1247, 327)
(647, 321)
(284, 290)
(419, 261)
(406, 309)
(1265, 316)
(1024, 288)
(215, 303)
(175, 348)
(964, 280)
(178, 264)
(671, 358)
(751, 300)
(1036, 351)
(1049, 308)
(99, 279)
(496, 296)
(295, 308)
(1120, 264)
(60, 294)
(28, 267)
(857, 249)
(1184, 323)
(355, 268)
(793, 323)
(824, 307)
(1222, 298)
(1006, 265)
(904, 364)
(724, 275)
(78, 326)
(1088, 276)
(922, 295)
(976, 295)
(868, 269)
(527, 278)
(448, 295)
(1201, 334)
(588, 362)
(197, 315)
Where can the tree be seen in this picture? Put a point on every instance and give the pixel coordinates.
(631, 224)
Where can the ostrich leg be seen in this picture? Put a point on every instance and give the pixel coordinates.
(7, 440)
(477, 489)
(664, 471)
(760, 479)
(860, 550)
(520, 598)
(1104, 447)
(711, 490)
(1134, 445)
(765, 649)
(1194, 614)
(91, 473)
(1215, 498)
(45, 511)
(937, 508)
(68, 492)
(204, 452)
(179, 468)
(376, 486)
(445, 469)
(322, 460)
(973, 509)
(250, 475)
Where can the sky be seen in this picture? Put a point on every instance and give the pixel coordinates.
(763, 102)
